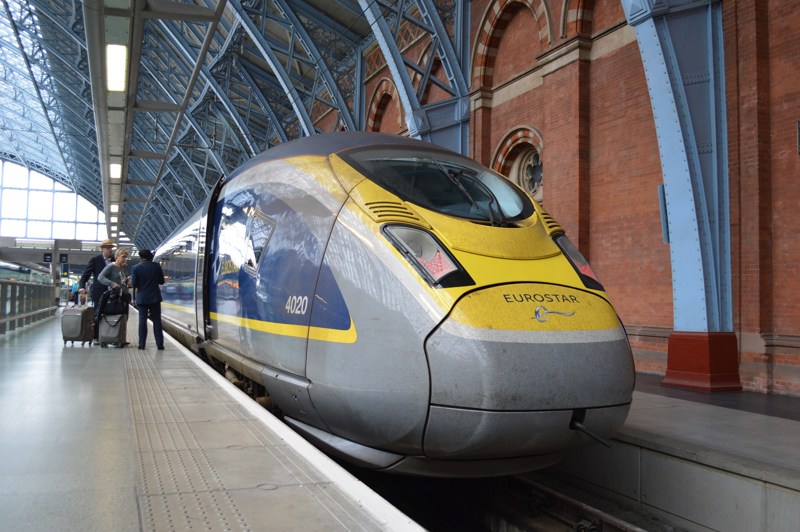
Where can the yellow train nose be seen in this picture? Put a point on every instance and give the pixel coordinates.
(523, 360)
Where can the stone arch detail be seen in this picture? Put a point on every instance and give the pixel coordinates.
(384, 94)
(502, 160)
(576, 17)
(493, 24)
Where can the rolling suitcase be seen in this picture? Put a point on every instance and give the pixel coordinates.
(77, 323)
(113, 329)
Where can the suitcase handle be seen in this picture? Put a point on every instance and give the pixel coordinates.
(80, 301)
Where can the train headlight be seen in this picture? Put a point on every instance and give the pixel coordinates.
(427, 255)
(581, 265)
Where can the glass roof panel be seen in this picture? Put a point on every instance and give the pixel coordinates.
(26, 131)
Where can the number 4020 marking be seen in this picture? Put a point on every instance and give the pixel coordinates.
(297, 305)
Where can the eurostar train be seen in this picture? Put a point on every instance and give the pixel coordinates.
(401, 306)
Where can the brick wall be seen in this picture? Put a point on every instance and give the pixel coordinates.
(763, 93)
(601, 162)
(585, 92)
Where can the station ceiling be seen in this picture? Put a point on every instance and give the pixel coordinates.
(208, 85)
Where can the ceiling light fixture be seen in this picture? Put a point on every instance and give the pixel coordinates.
(116, 66)
(115, 170)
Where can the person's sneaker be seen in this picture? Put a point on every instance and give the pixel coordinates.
(141, 347)
(160, 348)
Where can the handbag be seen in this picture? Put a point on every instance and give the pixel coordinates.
(117, 302)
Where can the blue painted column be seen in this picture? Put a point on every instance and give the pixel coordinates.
(681, 45)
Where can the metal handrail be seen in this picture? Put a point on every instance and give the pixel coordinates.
(25, 302)
(28, 314)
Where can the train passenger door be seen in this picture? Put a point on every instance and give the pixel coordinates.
(280, 268)
(200, 302)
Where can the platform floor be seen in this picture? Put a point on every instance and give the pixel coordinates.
(727, 461)
(122, 439)
(128, 440)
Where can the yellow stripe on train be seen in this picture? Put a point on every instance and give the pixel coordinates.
(321, 334)
(182, 308)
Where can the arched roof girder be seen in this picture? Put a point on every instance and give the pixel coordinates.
(216, 77)
(208, 143)
(256, 34)
(31, 91)
(393, 22)
(332, 27)
(134, 185)
(208, 39)
(173, 105)
(320, 65)
(57, 53)
(196, 198)
(180, 151)
(178, 40)
(450, 60)
(415, 117)
(198, 192)
(682, 53)
(267, 85)
(262, 102)
(173, 214)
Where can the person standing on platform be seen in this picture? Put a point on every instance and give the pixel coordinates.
(146, 278)
(113, 277)
(94, 268)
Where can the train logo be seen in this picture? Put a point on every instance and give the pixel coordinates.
(541, 313)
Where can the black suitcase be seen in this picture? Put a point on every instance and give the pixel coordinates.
(77, 324)
(113, 329)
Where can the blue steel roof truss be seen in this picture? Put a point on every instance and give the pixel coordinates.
(257, 73)
(35, 132)
(59, 63)
(274, 133)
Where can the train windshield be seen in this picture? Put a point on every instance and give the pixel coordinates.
(445, 183)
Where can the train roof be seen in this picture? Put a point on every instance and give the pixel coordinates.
(324, 144)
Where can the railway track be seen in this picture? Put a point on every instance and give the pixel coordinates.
(503, 504)
(526, 505)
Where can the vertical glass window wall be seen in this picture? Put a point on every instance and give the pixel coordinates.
(33, 205)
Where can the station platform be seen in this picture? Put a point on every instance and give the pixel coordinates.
(727, 461)
(121, 439)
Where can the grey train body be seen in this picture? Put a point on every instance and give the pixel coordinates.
(289, 280)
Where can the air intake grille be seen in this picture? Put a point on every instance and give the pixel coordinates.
(548, 221)
(391, 211)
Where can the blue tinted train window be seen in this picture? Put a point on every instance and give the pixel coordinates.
(259, 231)
(444, 182)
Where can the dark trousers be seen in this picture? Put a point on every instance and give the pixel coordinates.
(153, 311)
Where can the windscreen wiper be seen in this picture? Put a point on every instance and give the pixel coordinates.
(455, 175)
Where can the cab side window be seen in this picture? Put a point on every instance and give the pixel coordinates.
(260, 229)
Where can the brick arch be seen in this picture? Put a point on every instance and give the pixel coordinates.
(576, 18)
(493, 24)
(518, 138)
(384, 95)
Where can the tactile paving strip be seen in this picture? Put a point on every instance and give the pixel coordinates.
(205, 463)
(179, 488)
